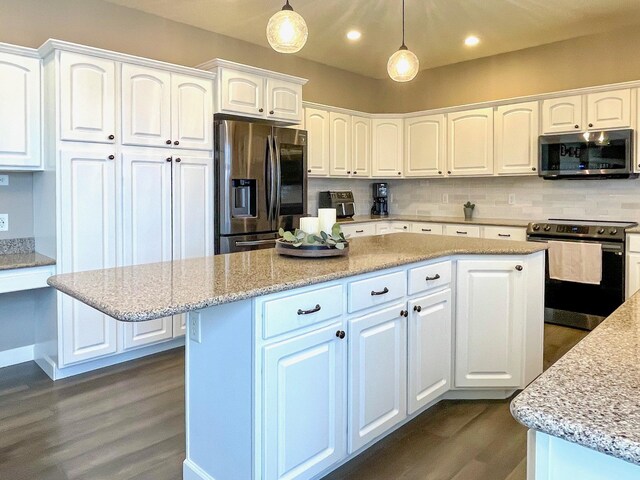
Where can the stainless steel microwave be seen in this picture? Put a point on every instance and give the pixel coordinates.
(594, 154)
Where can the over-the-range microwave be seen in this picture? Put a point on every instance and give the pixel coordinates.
(587, 155)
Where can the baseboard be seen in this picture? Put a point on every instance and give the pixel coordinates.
(190, 471)
(16, 355)
(493, 394)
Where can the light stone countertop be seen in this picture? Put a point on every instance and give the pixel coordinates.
(145, 292)
(633, 229)
(591, 396)
(500, 222)
(24, 260)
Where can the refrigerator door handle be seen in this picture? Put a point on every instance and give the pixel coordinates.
(270, 181)
(278, 176)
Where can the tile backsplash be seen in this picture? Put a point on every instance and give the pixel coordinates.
(526, 198)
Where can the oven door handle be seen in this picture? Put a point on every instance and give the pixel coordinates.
(606, 247)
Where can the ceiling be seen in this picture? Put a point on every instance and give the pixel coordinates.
(435, 29)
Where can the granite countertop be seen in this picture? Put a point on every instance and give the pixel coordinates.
(501, 222)
(591, 396)
(633, 229)
(145, 292)
(20, 253)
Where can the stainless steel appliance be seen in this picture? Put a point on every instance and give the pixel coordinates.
(380, 205)
(587, 155)
(583, 305)
(342, 201)
(261, 177)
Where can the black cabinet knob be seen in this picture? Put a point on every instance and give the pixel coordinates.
(449, 172)
(577, 126)
(355, 173)
(399, 173)
(341, 334)
(348, 172)
(271, 112)
(178, 160)
(404, 313)
(168, 142)
(417, 308)
(591, 125)
(533, 168)
(111, 137)
(111, 157)
(439, 172)
(176, 142)
(405, 227)
(519, 268)
(308, 171)
(261, 110)
(169, 159)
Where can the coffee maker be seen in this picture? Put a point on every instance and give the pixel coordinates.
(380, 206)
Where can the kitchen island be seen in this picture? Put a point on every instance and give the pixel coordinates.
(295, 366)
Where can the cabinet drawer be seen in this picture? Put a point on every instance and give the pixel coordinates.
(462, 230)
(25, 278)
(633, 243)
(505, 233)
(359, 230)
(376, 291)
(429, 276)
(427, 228)
(301, 310)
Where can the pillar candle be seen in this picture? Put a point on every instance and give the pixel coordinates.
(310, 225)
(327, 218)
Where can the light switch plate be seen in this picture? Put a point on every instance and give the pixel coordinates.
(4, 222)
(445, 198)
(512, 198)
(4, 180)
(195, 332)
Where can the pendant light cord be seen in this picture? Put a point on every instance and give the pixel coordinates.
(403, 46)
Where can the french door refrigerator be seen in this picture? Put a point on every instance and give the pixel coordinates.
(261, 179)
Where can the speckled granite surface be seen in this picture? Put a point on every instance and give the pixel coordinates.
(591, 396)
(633, 229)
(24, 260)
(156, 290)
(457, 220)
(17, 245)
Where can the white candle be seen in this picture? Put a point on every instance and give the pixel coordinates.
(327, 218)
(310, 225)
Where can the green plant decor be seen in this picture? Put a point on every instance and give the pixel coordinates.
(469, 205)
(298, 238)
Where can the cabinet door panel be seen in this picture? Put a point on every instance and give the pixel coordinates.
(562, 114)
(470, 149)
(387, 148)
(424, 139)
(146, 106)
(88, 225)
(490, 316)
(20, 130)
(377, 374)
(284, 99)
(146, 206)
(318, 126)
(340, 150)
(361, 146)
(633, 273)
(87, 98)
(192, 112)
(241, 93)
(304, 404)
(609, 109)
(429, 334)
(516, 139)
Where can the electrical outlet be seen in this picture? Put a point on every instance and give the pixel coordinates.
(195, 332)
(4, 222)
(512, 198)
(445, 198)
(4, 180)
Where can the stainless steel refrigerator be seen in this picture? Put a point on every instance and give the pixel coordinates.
(261, 177)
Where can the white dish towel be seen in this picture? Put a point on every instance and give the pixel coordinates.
(575, 262)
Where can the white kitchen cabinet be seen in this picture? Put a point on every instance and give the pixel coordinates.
(505, 233)
(632, 274)
(20, 112)
(429, 350)
(377, 374)
(387, 150)
(304, 404)
(88, 227)
(318, 125)
(610, 109)
(424, 146)
(360, 146)
(146, 207)
(516, 139)
(87, 98)
(340, 144)
(491, 310)
(427, 228)
(392, 227)
(241, 92)
(284, 101)
(461, 230)
(470, 146)
(358, 229)
(191, 112)
(560, 115)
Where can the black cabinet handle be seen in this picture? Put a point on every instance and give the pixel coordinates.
(405, 227)
(178, 160)
(176, 142)
(168, 142)
(430, 279)
(449, 172)
(261, 110)
(340, 334)
(111, 157)
(348, 172)
(308, 171)
(533, 168)
(399, 173)
(169, 159)
(381, 292)
(111, 137)
(439, 172)
(417, 308)
(426, 229)
(271, 112)
(519, 268)
(591, 125)
(359, 231)
(577, 126)
(505, 235)
(355, 173)
(461, 233)
(404, 313)
(315, 309)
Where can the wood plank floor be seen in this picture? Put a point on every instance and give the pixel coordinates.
(127, 422)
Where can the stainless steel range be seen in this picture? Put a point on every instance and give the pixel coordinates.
(584, 305)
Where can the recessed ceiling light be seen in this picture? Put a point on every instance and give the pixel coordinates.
(471, 41)
(353, 35)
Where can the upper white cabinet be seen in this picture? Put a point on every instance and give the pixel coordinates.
(610, 109)
(241, 92)
(424, 146)
(20, 112)
(340, 144)
(284, 100)
(387, 151)
(516, 139)
(317, 123)
(87, 98)
(470, 148)
(163, 109)
(360, 146)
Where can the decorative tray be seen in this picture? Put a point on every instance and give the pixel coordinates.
(309, 251)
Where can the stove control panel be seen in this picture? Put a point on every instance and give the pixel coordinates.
(569, 230)
(572, 229)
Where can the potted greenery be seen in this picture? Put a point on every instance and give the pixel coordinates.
(468, 210)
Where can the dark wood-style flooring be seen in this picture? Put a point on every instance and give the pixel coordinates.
(127, 422)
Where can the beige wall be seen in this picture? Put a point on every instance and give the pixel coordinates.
(108, 26)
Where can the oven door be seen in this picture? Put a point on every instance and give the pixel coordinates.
(582, 305)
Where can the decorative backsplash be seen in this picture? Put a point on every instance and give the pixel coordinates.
(532, 197)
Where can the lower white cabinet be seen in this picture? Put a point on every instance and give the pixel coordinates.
(462, 230)
(377, 374)
(491, 309)
(429, 352)
(633, 265)
(427, 228)
(304, 404)
(505, 233)
(392, 227)
(359, 229)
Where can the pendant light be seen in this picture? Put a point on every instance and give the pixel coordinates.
(287, 31)
(403, 65)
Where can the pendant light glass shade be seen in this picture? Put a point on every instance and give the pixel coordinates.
(287, 31)
(403, 65)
